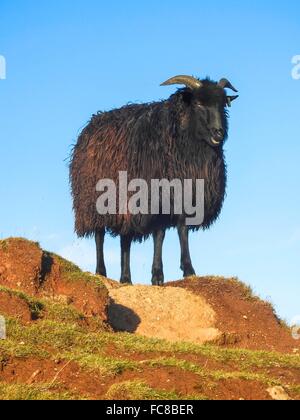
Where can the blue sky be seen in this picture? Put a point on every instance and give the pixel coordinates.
(68, 59)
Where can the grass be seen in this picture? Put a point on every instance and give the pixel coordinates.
(215, 375)
(17, 349)
(60, 332)
(23, 392)
(105, 366)
(71, 342)
(72, 337)
(72, 272)
(59, 312)
(35, 306)
(4, 243)
(137, 390)
(47, 308)
(244, 358)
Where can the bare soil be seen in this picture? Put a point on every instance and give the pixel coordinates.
(247, 321)
(196, 310)
(172, 314)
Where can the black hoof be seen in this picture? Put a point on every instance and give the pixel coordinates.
(158, 282)
(158, 279)
(189, 272)
(125, 280)
(101, 273)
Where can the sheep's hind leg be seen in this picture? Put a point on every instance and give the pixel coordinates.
(157, 268)
(125, 259)
(186, 262)
(99, 237)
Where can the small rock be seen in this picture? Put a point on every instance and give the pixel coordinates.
(245, 317)
(278, 393)
(31, 380)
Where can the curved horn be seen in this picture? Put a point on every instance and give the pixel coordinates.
(224, 83)
(188, 81)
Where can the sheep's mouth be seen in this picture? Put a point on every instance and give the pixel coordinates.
(215, 142)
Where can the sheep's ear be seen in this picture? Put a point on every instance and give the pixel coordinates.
(230, 99)
(187, 96)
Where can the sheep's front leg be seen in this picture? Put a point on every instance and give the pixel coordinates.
(157, 268)
(125, 259)
(186, 262)
(99, 237)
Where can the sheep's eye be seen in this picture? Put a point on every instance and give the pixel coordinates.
(230, 99)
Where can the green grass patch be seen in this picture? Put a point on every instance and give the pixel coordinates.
(137, 390)
(59, 312)
(215, 375)
(47, 309)
(105, 366)
(70, 341)
(4, 243)
(21, 350)
(33, 393)
(72, 272)
(34, 305)
(243, 358)
(50, 333)
(66, 341)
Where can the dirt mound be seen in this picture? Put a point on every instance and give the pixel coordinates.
(172, 314)
(15, 307)
(245, 320)
(59, 345)
(20, 265)
(25, 267)
(65, 282)
(199, 310)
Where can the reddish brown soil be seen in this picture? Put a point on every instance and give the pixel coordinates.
(25, 267)
(244, 321)
(20, 265)
(15, 307)
(70, 377)
(248, 322)
(90, 299)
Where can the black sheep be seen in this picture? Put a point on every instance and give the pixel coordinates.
(179, 138)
